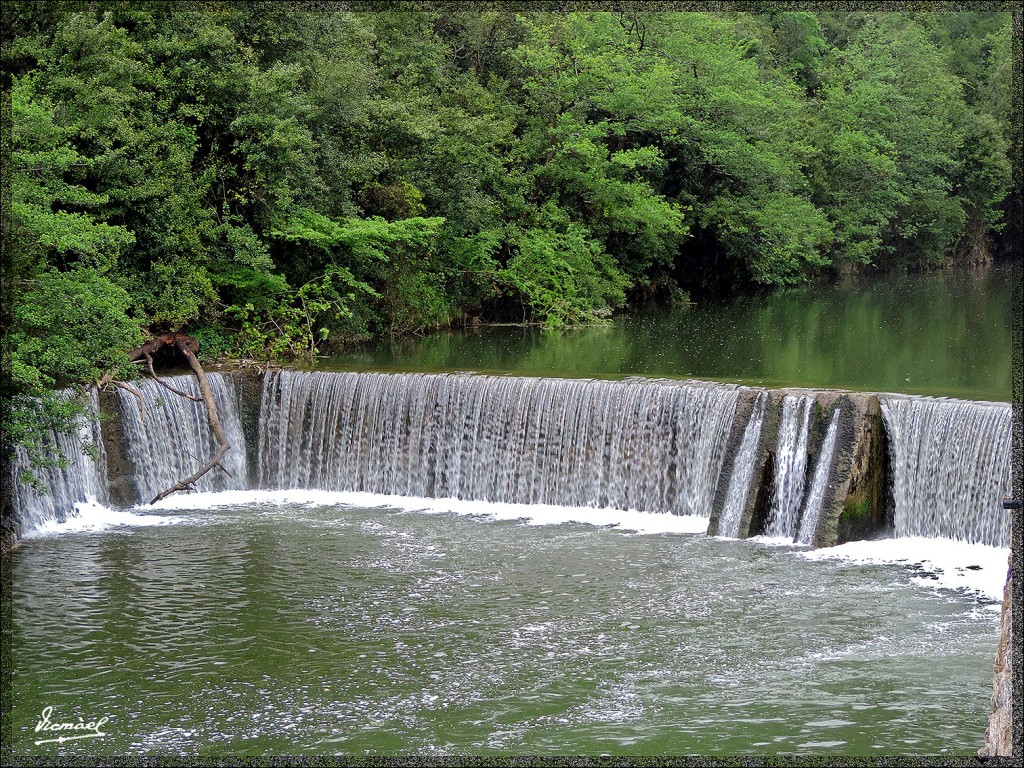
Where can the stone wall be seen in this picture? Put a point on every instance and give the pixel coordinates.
(744, 408)
(999, 734)
(121, 487)
(249, 390)
(858, 503)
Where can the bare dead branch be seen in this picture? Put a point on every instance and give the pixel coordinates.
(188, 482)
(149, 363)
(129, 388)
(182, 343)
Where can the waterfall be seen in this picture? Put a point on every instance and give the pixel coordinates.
(742, 472)
(790, 465)
(950, 464)
(648, 445)
(816, 495)
(174, 439)
(84, 477)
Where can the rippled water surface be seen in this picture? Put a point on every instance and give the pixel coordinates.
(287, 629)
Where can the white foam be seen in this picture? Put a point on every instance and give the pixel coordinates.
(534, 514)
(213, 500)
(947, 564)
(92, 516)
(957, 565)
(775, 541)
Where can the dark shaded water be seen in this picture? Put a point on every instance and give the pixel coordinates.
(286, 629)
(944, 334)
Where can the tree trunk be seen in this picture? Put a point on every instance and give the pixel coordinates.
(184, 345)
(187, 346)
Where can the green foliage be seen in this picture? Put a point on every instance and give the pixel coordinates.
(293, 327)
(66, 327)
(894, 129)
(186, 168)
(801, 46)
(214, 343)
(594, 107)
(70, 327)
(984, 175)
(44, 166)
(781, 238)
(564, 277)
(29, 420)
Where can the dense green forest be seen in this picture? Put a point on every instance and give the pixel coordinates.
(274, 181)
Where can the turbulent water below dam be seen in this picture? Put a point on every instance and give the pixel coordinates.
(252, 623)
(457, 564)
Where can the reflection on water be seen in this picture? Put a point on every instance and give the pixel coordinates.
(945, 334)
(286, 629)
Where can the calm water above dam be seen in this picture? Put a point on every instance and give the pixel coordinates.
(946, 335)
(286, 628)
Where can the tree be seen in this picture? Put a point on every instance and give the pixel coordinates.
(739, 149)
(892, 126)
(67, 321)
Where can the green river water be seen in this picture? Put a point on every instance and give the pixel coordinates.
(946, 334)
(315, 629)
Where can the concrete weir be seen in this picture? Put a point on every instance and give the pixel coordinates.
(854, 503)
(816, 466)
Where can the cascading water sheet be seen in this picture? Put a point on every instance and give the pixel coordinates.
(950, 462)
(174, 439)
(816, 494)
(83, 478)
(743, 471)
(646, 445)
(790, 465)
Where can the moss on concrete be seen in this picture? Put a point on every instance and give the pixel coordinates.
(866, 508)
